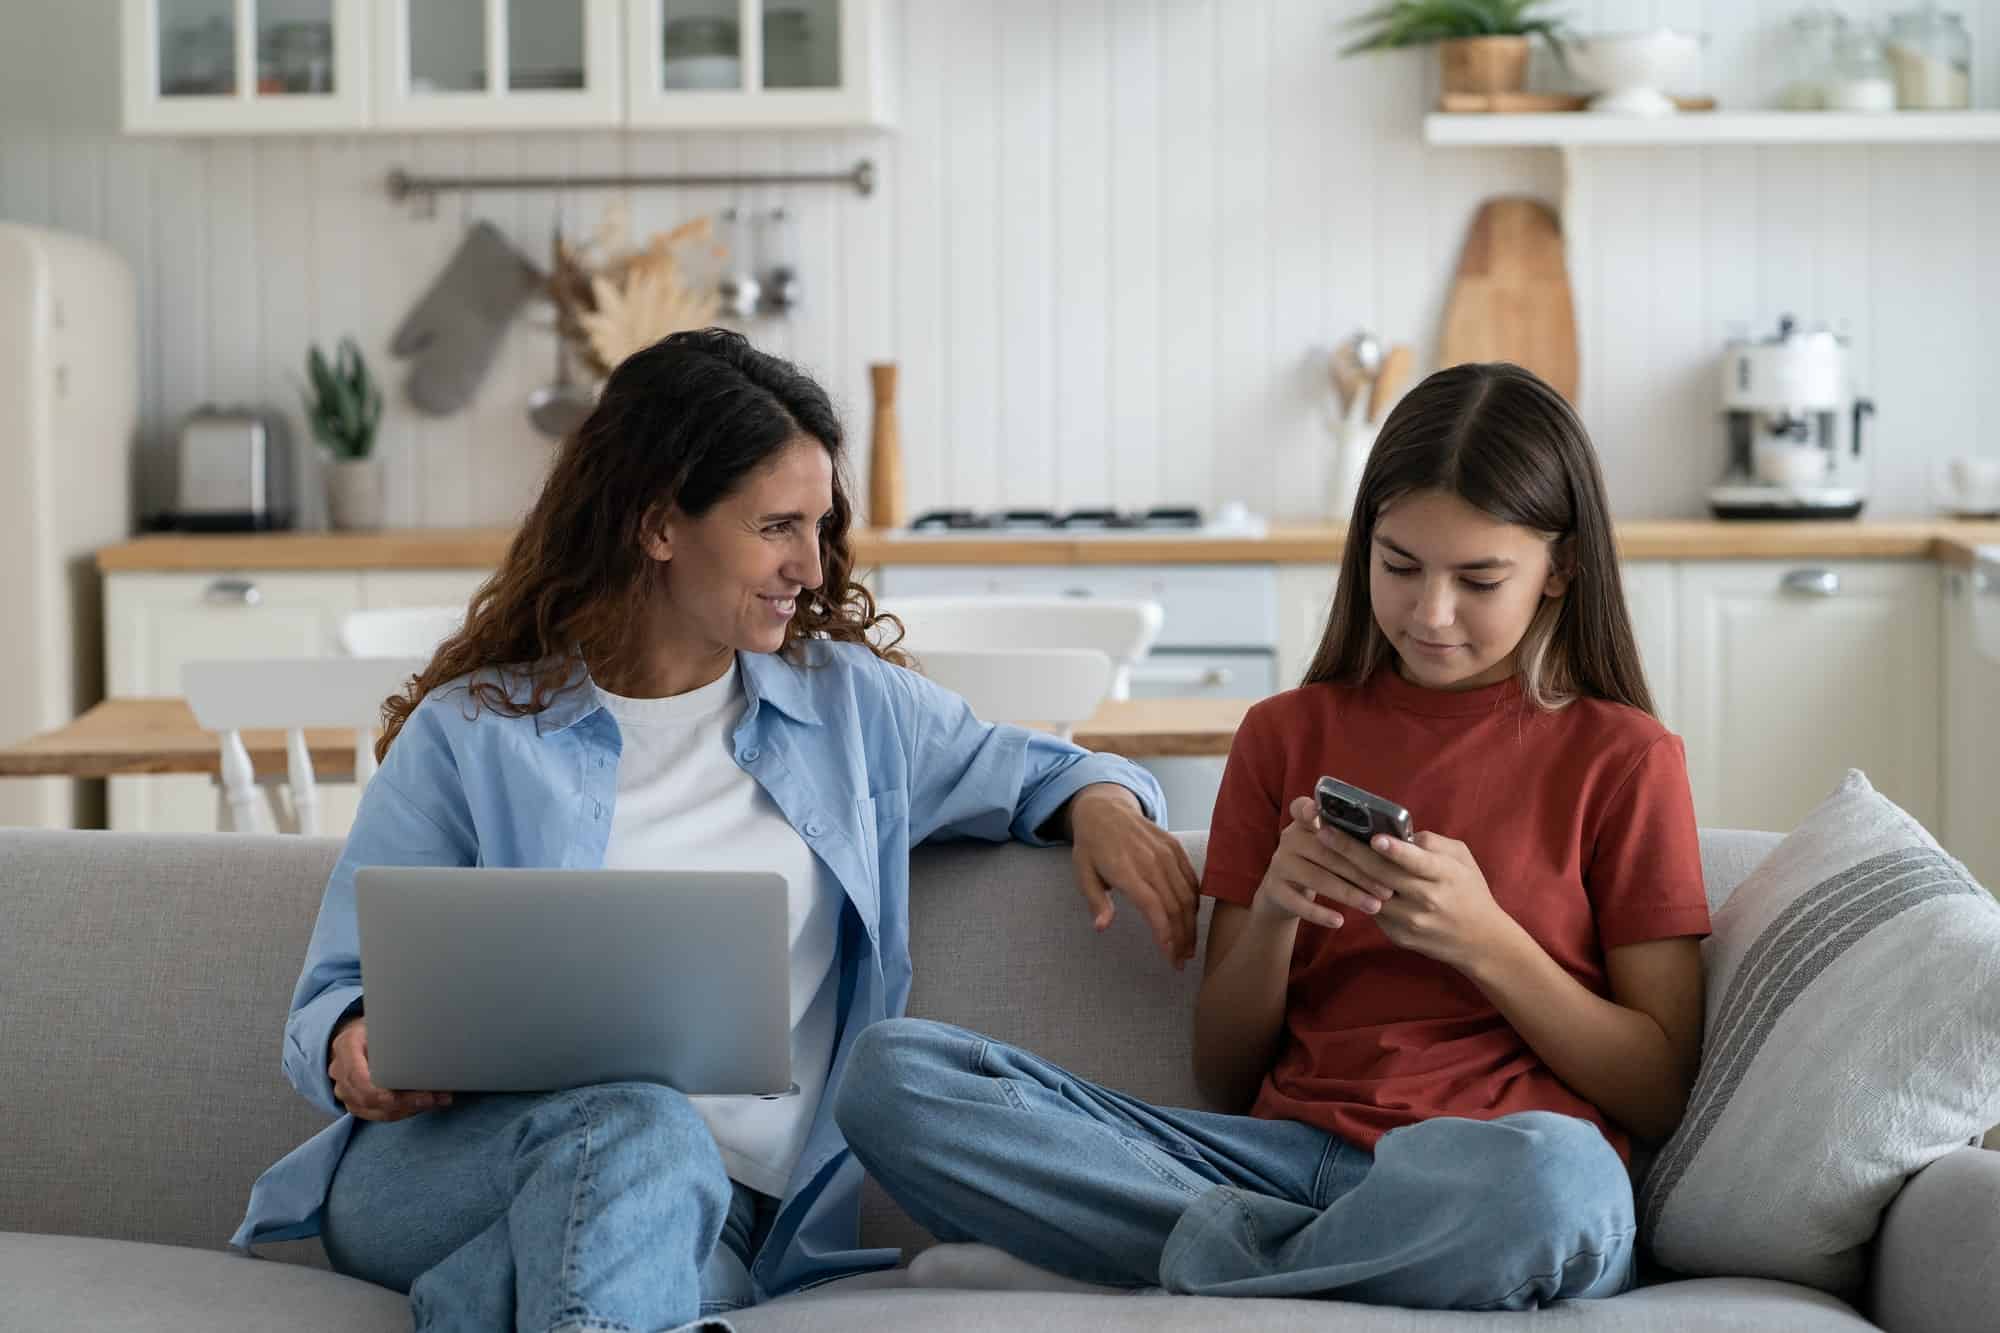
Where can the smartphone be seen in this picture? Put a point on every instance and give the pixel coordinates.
(1361, 813)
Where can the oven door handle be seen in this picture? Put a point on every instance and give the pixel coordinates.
(1211, 677)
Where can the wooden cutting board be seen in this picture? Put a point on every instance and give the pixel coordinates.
(1510, 300)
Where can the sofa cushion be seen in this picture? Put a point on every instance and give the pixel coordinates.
(1745, 1305)
(146, 981)
(1852, 1037)
(69, 1282)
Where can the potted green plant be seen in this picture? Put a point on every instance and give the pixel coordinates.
(344, 406)
(1482, 44)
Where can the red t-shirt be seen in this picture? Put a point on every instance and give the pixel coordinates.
(1581, 821)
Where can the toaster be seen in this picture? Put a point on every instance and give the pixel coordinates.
(233, 471)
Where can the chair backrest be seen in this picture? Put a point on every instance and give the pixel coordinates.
(398, 631)
(1059, 686)
(289, 694)
(1123, 630)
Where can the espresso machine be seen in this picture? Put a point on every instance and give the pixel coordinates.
(1795, 428)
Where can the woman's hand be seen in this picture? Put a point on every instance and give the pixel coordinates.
(348, 1067)
(1304, 870)
(1435, 899)
(1117, 849)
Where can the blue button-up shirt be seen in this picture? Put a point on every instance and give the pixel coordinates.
(863, 758)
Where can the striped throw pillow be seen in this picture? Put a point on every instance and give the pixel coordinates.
(1852, 1037)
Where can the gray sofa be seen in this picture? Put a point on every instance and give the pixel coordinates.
(143, 983)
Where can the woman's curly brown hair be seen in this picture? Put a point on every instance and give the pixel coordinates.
(682, 423)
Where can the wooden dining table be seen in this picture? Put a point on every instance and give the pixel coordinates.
(135, 736)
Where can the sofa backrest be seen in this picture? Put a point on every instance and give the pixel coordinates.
(144, 981)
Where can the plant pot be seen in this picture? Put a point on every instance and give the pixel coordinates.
(354, 493)
(1484, 64)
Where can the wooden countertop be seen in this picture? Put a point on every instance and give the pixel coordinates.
(1641, 539)
(126, 737)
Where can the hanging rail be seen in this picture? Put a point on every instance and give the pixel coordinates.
(423, 190)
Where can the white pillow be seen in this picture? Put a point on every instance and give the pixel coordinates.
(1852, 1037)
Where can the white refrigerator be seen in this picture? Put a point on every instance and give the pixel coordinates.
(69, 391)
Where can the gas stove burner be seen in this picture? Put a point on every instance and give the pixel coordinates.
(1048, 520)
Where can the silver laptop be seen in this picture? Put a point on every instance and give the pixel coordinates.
(489, 980)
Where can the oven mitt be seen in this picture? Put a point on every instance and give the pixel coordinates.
(454, 331)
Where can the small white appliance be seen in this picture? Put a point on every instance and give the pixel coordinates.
(233, 471)
(1794, 424)
(69, 393)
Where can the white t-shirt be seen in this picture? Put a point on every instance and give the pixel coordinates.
(683, 804)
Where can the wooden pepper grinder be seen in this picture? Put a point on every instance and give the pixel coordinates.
(885, 458)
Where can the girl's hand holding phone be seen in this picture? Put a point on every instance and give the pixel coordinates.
(1435, 898)
(1308, 880)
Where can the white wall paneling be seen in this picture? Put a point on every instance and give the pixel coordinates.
(1112, 243)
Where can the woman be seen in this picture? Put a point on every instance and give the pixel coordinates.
(671, 668)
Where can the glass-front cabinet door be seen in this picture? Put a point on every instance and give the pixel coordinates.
(245, 66)
(477, 64)
(752, 63)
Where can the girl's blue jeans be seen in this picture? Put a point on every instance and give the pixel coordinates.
(979, 1141)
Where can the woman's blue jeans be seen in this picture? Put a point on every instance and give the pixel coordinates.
(603, 1208)
(980, 1141)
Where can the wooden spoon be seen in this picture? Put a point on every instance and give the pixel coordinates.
(1395, 371)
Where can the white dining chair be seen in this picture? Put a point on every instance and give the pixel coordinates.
(1057, 687)
(289, 694)
(1123, 630)
(398, 631)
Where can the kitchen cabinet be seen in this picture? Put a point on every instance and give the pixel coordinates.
(1652, 598)
(746, 64)
(1972, 732)
(154, 624)
(1791, 674)
(245, 66)
(1305, 600)
(508, 64)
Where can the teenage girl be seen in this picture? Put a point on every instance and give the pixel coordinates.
(1434, 1054)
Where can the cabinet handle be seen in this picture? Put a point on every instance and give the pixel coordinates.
(1813, 582)
(233, 592)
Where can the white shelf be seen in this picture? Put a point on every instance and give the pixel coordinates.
(1583, 128)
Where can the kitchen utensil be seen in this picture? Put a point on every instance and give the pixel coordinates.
(559, 408)
(1794, 428)
(1510, 300)
(1629, 69)
(1389, 383)
(738, 287)
(1368, 354)
(885, 453)
(1346, 377)
(777, 253)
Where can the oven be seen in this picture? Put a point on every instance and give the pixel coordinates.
(1218, 638)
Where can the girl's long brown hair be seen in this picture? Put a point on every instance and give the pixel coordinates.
(682, 423)
(1507, 444)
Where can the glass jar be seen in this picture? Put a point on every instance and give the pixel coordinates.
(701, 53)
(1931, 54)
(1814, 35)
(1861, 79)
